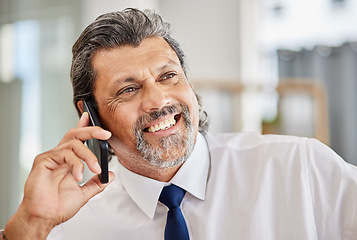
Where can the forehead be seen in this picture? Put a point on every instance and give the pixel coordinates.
(151, 52)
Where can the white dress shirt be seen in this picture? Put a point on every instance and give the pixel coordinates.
(239, 186)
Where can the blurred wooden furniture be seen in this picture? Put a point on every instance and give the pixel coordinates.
(306, 87)
(318, 95)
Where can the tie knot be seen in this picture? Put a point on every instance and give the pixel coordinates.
(172, 196)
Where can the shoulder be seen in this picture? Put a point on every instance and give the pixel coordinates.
(251, 140)
(309, 153)
(277, 148)
(255, 151)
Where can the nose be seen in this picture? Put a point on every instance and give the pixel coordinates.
(154, 98)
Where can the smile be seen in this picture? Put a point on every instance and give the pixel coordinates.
(162, 125)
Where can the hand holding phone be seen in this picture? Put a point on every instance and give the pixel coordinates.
(98, 147)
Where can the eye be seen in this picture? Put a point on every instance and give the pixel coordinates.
(127, 90)
(168, 76)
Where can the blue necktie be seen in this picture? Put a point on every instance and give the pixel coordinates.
(176, 228)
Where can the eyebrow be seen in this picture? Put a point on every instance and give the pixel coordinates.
(168, 64)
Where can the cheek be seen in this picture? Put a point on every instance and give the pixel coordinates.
(195, 112)
(122, 140)
(188, 97)
(120, 123)
(123, 122)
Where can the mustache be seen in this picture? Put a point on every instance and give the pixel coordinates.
(160, 154)
(144, 120)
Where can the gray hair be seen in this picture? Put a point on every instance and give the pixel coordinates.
(115, 29)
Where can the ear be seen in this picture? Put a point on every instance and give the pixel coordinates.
(80, 105)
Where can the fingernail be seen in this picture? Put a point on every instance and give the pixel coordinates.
(111, 177)
(107, 133)
(98, 168)
(83, 115)
(80, 177)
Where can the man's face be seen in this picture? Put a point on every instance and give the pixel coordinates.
(146, 102)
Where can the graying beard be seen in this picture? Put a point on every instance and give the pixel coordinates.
(155, 156)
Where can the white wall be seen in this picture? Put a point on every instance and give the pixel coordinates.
(91, 9)
(209, 34)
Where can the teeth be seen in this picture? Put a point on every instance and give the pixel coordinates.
(163, 125)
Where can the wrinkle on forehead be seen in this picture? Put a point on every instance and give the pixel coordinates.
(126, 62)
(147, 48)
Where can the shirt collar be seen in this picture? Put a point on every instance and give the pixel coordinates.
(192, 176)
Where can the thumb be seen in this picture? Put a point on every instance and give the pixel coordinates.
(93, 186)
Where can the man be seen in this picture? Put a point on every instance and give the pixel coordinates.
(235, 186)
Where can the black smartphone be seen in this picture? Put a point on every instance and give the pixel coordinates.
(98, 147)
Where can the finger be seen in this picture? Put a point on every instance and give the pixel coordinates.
(78, 149)
(86, 133)
(64, 160)
(84, 120)
(76, 164)
(60, 173)
(93, 186)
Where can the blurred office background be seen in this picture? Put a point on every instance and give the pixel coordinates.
(270, 66)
